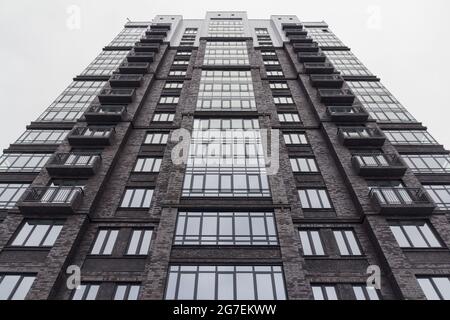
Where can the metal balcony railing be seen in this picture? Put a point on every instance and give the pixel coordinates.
(344, 96)
(116, 95)
(361, 136)
(125, 80)
(401, 200)
(74, 159)
(91, 132)
(326, 80)
(134, 56)
(105, 113)
(63, 199)
(318, 67)
(378, 165)
(311, 57)
(348, 113)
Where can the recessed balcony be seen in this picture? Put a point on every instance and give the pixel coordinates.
(378, 165)
(91, 136)
(116, 95)
(306, 47)
(318, 67)
(401, 201)
(300, 39)
(48, 200)
(146, 47)
(311, 57)
(73, 164)
(347, 113)
(125, 80)
(134, 56)
(336, 96)
(134, 67)
(334, 81)
(105, 113)
(361, 136)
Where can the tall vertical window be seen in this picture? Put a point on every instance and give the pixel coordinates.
(127, 292)
(295, 138)
(415, 235)
(140, 242)
(363, 292)
(86, 291)
(440, 195)
(23, 162)
(226, 228)
(137, 198)
(225, 283)
(435, 288)
(105, 242)
(156, 138)
(15, 286)
(311, 243)
(347, 243)
(314, 199)
(10, 193)
(289, 117)
(304, 165)
(147, 165)
(324, 292)
(37, 234)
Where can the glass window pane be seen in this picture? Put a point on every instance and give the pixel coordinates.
(245, 286)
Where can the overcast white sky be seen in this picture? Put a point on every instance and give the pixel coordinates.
(405, 43)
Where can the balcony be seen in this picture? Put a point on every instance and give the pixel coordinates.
(378, 165)
(161, 27)
(153, 39)
(300, 39)
(336, 96)
(116, 95)
(156, 32)
(347, 113)
(48, 200)
(73, 164)
(334, 81)
(361, 136)
(306, 47)
(318, 67)
(292, 25)
(134, 67)
(125, 80)
(105, 113)
(311, 57)
(91, 136)
(146, 47)
(401, 201)
(141, 57)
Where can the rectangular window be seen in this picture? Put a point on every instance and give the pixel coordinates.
(127, 37)
(177, 73)
(127, 292)
(225, 283)
(169, 100)
(10, 193)
(295, 138)
(37, 234)
(140, 242)
(105, 63)
(42, 137)
(15, 286)
(347, 63)
(311, 243)
(415, 235)
(409, 137)
(363, 292)
(347, 243)
(314, 199)
(435, 288)
(324, 37)
(156, 138)
(105, 242)
(22, 162)
(283, 100)
(226, 228)
(324, 292)
(278, 85)
(428, 163)
(226, 53)
(288, 117)
(304, 165)
(163, 117)
(147, 165)
(275, 73)
(86, 291)
(173, 85)
(137, 198)
(440, 195)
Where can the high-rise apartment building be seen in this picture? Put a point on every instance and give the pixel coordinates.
(225, 158)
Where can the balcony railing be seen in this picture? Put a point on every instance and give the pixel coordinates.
(361, 136)
(153, 39)
(306, 47)
(401, 201)
(311, 57)
(105, 113)
(156, 32)
(292, 25)
(318, 67)
(296, 38)
(334, 81)
(134, 56)
(348, 113)
(73, 164)
(86, 136)
(116, 95)
(336, 96)
(64, 199)
(161, 26)
(125, 80)
(146, 47)
(134, 67)
(378, 165)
